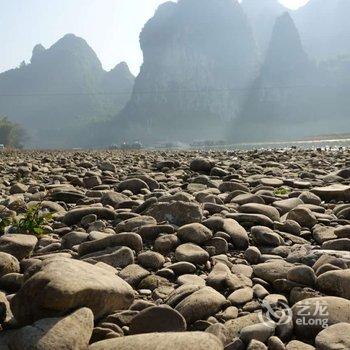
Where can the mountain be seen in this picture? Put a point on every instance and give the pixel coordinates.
(198, 57)
(61, 89)
(262, 15)
(278, 105)
(324, 27)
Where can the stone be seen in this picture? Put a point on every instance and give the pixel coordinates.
(178, 213)
(303, 274)
(61, 284)
(162, 341)
(19, 245)
(236, 325)
(158, 319)
(336, 336)
(133, 274)
(71, 332)
(255, 208)
(272, 270)
(259, 331)
(335, 283)
(151, 260)
(201, 165)
(310, 316)
(194, 233)
(8, 264)
(201, 304)
(241, 296)
(191, 253)
(303, 216)
(264, 236)
(134, 185)
(74, 216)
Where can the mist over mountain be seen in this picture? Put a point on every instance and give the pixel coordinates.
(276, 104)
(212, 70)
(197, 54)
(61, 89)
(262, 15)
(324, 28)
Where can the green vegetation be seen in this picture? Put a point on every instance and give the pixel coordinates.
(33, 221)
(282, 191)
(11, 134)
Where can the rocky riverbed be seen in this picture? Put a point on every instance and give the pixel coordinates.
(174, 250)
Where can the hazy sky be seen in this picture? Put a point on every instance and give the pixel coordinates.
(111, 27)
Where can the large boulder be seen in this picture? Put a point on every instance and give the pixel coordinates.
(8, 264)
(162, 341)
(60, 284)
(72, 332)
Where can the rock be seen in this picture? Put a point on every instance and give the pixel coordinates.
(335, 283)
(303, 274)
(310, 316)
(128, 239)
(236, 325)
(133, 185)
(303, 216)
(333, 192)
(61, 284)
(117, 257)
(162, 341)
(342, 231)
(201, 165)
(264, 236)
(322, 234)
(133, 274)
(272, 270)
(255, 208)
(178, 213)
(18, 245)
(72, 332)
(157, 319)
(75, 215)
(260, 331)
(8, 264)
(298, 345)
(253, 255)
(135, 223)
(114, 199)
(237, 233)
(286, 205)
(194, 233)
(191, 253)
(151, 260)
(310, 198)
(166, 243)
(200, 304)
(241, 296)
(334, 337)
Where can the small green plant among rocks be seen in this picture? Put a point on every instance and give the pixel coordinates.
(32, 222)
(282, 191)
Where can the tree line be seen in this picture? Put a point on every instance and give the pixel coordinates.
(12, 135)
